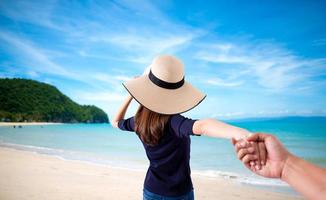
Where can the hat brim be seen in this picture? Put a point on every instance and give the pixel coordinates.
(161, 100)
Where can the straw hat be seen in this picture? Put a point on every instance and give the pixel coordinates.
(163, 89)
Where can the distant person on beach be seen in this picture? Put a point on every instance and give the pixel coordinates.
(165, 134)
(306, 178)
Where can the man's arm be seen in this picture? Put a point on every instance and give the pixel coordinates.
(306, 178)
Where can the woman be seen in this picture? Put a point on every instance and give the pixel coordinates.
(163, 94)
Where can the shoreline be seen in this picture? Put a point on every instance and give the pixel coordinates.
(233, 177)
(40, 176)
(225, 175)
(29, 123)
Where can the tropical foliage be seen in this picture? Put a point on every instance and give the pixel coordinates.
(29, 100)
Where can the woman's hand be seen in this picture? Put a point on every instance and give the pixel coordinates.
(270, 148)
(306, 178)
(252, 154)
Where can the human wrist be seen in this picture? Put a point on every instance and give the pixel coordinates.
(129, 98)
(287, 167)
(242, 134)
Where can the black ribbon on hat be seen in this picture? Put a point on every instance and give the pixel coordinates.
(164, 84)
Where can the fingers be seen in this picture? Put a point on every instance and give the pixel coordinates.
(241, 144)
(249, 157)
(256, 150)
(234, 141)
(262, 152)
(248, 153)
(247, 165)
(257, 137)
(242, 152)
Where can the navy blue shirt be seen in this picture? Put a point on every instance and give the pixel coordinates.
(169, 170)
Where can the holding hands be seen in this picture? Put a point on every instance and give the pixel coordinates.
(251, 153)
(306, 178)
(272, 154)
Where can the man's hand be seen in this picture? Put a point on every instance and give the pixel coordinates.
(276, 158)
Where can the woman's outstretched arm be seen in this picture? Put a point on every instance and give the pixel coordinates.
(121, 112)
(214, 128)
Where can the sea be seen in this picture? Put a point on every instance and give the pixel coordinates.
(210, 157)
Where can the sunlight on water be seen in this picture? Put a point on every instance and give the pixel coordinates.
(101, 144)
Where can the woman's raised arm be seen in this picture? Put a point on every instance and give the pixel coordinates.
(121, 112)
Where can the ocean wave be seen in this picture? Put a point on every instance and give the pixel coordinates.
(86, 157)
(241, 178)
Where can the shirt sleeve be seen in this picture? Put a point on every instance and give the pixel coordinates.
(182, 126)
(127, 124)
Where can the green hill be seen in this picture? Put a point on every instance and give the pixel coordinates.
(29, 100)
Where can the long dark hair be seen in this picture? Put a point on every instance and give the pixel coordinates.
(150, 125)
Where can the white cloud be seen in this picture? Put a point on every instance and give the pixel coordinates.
(101, 96)
(272, 66)
(267, 113)
(141, 47)
(29, 11)
(113, 80)
(33, 56)
(37, 61)
(319, 42)
(122, 78)
(150, 43)
(229, 115)
(116, 39)
(33, 74)
(140, 37)
(223, 83)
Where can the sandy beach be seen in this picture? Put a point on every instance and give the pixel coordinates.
(28, 175)
(27, 123)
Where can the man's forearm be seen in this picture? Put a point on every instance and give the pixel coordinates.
(304, 177)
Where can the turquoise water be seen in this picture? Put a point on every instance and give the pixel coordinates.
(101, 144)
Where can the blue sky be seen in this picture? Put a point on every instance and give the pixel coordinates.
(252, 58)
